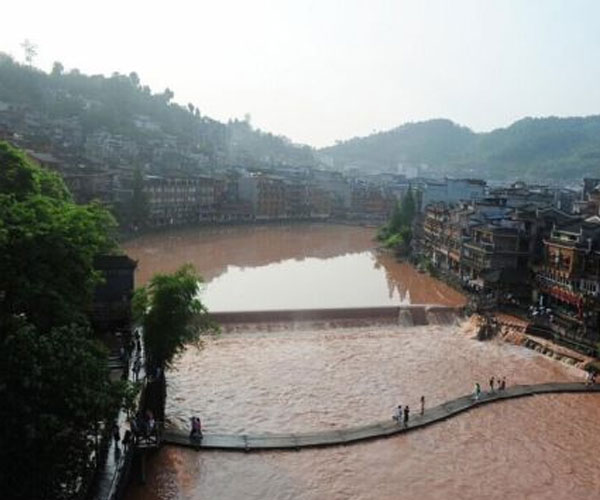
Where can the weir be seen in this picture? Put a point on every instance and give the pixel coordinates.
(408, 315)
(376, 430)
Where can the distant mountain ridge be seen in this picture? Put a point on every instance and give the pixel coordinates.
(118, 121)
(530, 149)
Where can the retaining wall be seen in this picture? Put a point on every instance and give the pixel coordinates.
(411, 314)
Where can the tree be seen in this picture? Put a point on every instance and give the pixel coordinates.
(30, 50)
(57, 69)
(396, 220)
(55, 388)
(172, 315)
(134, 79)
(167, 95)
(47, 245)
(54, 380)
(409, 208)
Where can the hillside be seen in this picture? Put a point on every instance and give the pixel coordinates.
(118, 121)
(531, 149)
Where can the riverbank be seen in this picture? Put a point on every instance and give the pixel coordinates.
(123, 235)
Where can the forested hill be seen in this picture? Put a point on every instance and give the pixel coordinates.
(118, 120)
(532, 148)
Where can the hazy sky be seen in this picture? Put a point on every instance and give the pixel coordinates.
(323, 70)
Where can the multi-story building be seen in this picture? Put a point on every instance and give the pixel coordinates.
(568, 282)
(297, 202)
(449, 191)
(495, 247)
(319, 202)
(266, 195)
(371, 201)
(179, 200)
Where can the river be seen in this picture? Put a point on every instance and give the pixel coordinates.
(299, 379)
(280, 267)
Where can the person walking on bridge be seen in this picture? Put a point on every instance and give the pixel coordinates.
(398, 415)
(422, 405)
(492, 384)
(502, 384)
(477, 391)
(406, 413)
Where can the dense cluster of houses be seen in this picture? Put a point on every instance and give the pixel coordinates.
(240, 195)
(523, 246)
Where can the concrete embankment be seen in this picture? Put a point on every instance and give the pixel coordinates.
(409, 315)
(295, 441)
(518, 331)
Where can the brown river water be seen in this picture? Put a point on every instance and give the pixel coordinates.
(300, 379)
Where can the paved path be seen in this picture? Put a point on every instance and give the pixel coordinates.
(250, 442)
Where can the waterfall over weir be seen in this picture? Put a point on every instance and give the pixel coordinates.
(405, 315)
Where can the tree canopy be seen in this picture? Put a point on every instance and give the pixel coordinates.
(172, 314)
(54, 387)
(397, 233)
(47, 245)
(163, 134)
(530, 148)
(54, 383)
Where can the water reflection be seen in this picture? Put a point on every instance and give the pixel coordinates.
(280, 267)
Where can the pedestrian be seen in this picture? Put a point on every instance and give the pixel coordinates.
(477, 391)
(503, 383)
(492, 384)
(198, 428)
(127, 438)
(398, 415)
(137, 366)
(406, 413)
(422, 405)
(150, 422)
(133, 425)
(116, 434)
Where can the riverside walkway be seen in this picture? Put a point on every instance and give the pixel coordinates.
(296, 441)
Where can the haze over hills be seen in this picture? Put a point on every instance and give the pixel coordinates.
(118, 121)
(532, 149)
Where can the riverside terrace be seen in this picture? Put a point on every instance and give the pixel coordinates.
(296, 441)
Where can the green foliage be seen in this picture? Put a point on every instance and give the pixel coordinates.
(99, 104)
(393, 241)
(54, 389)
(47, 247)
(130, 392)
(409, 209)
(174, 316)
(139, 304)
(54, 383)
(531, 148)
(434, 142)
(397, 233)
(22, 178)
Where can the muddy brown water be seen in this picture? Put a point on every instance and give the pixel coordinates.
(287, 267)
(297, 379)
